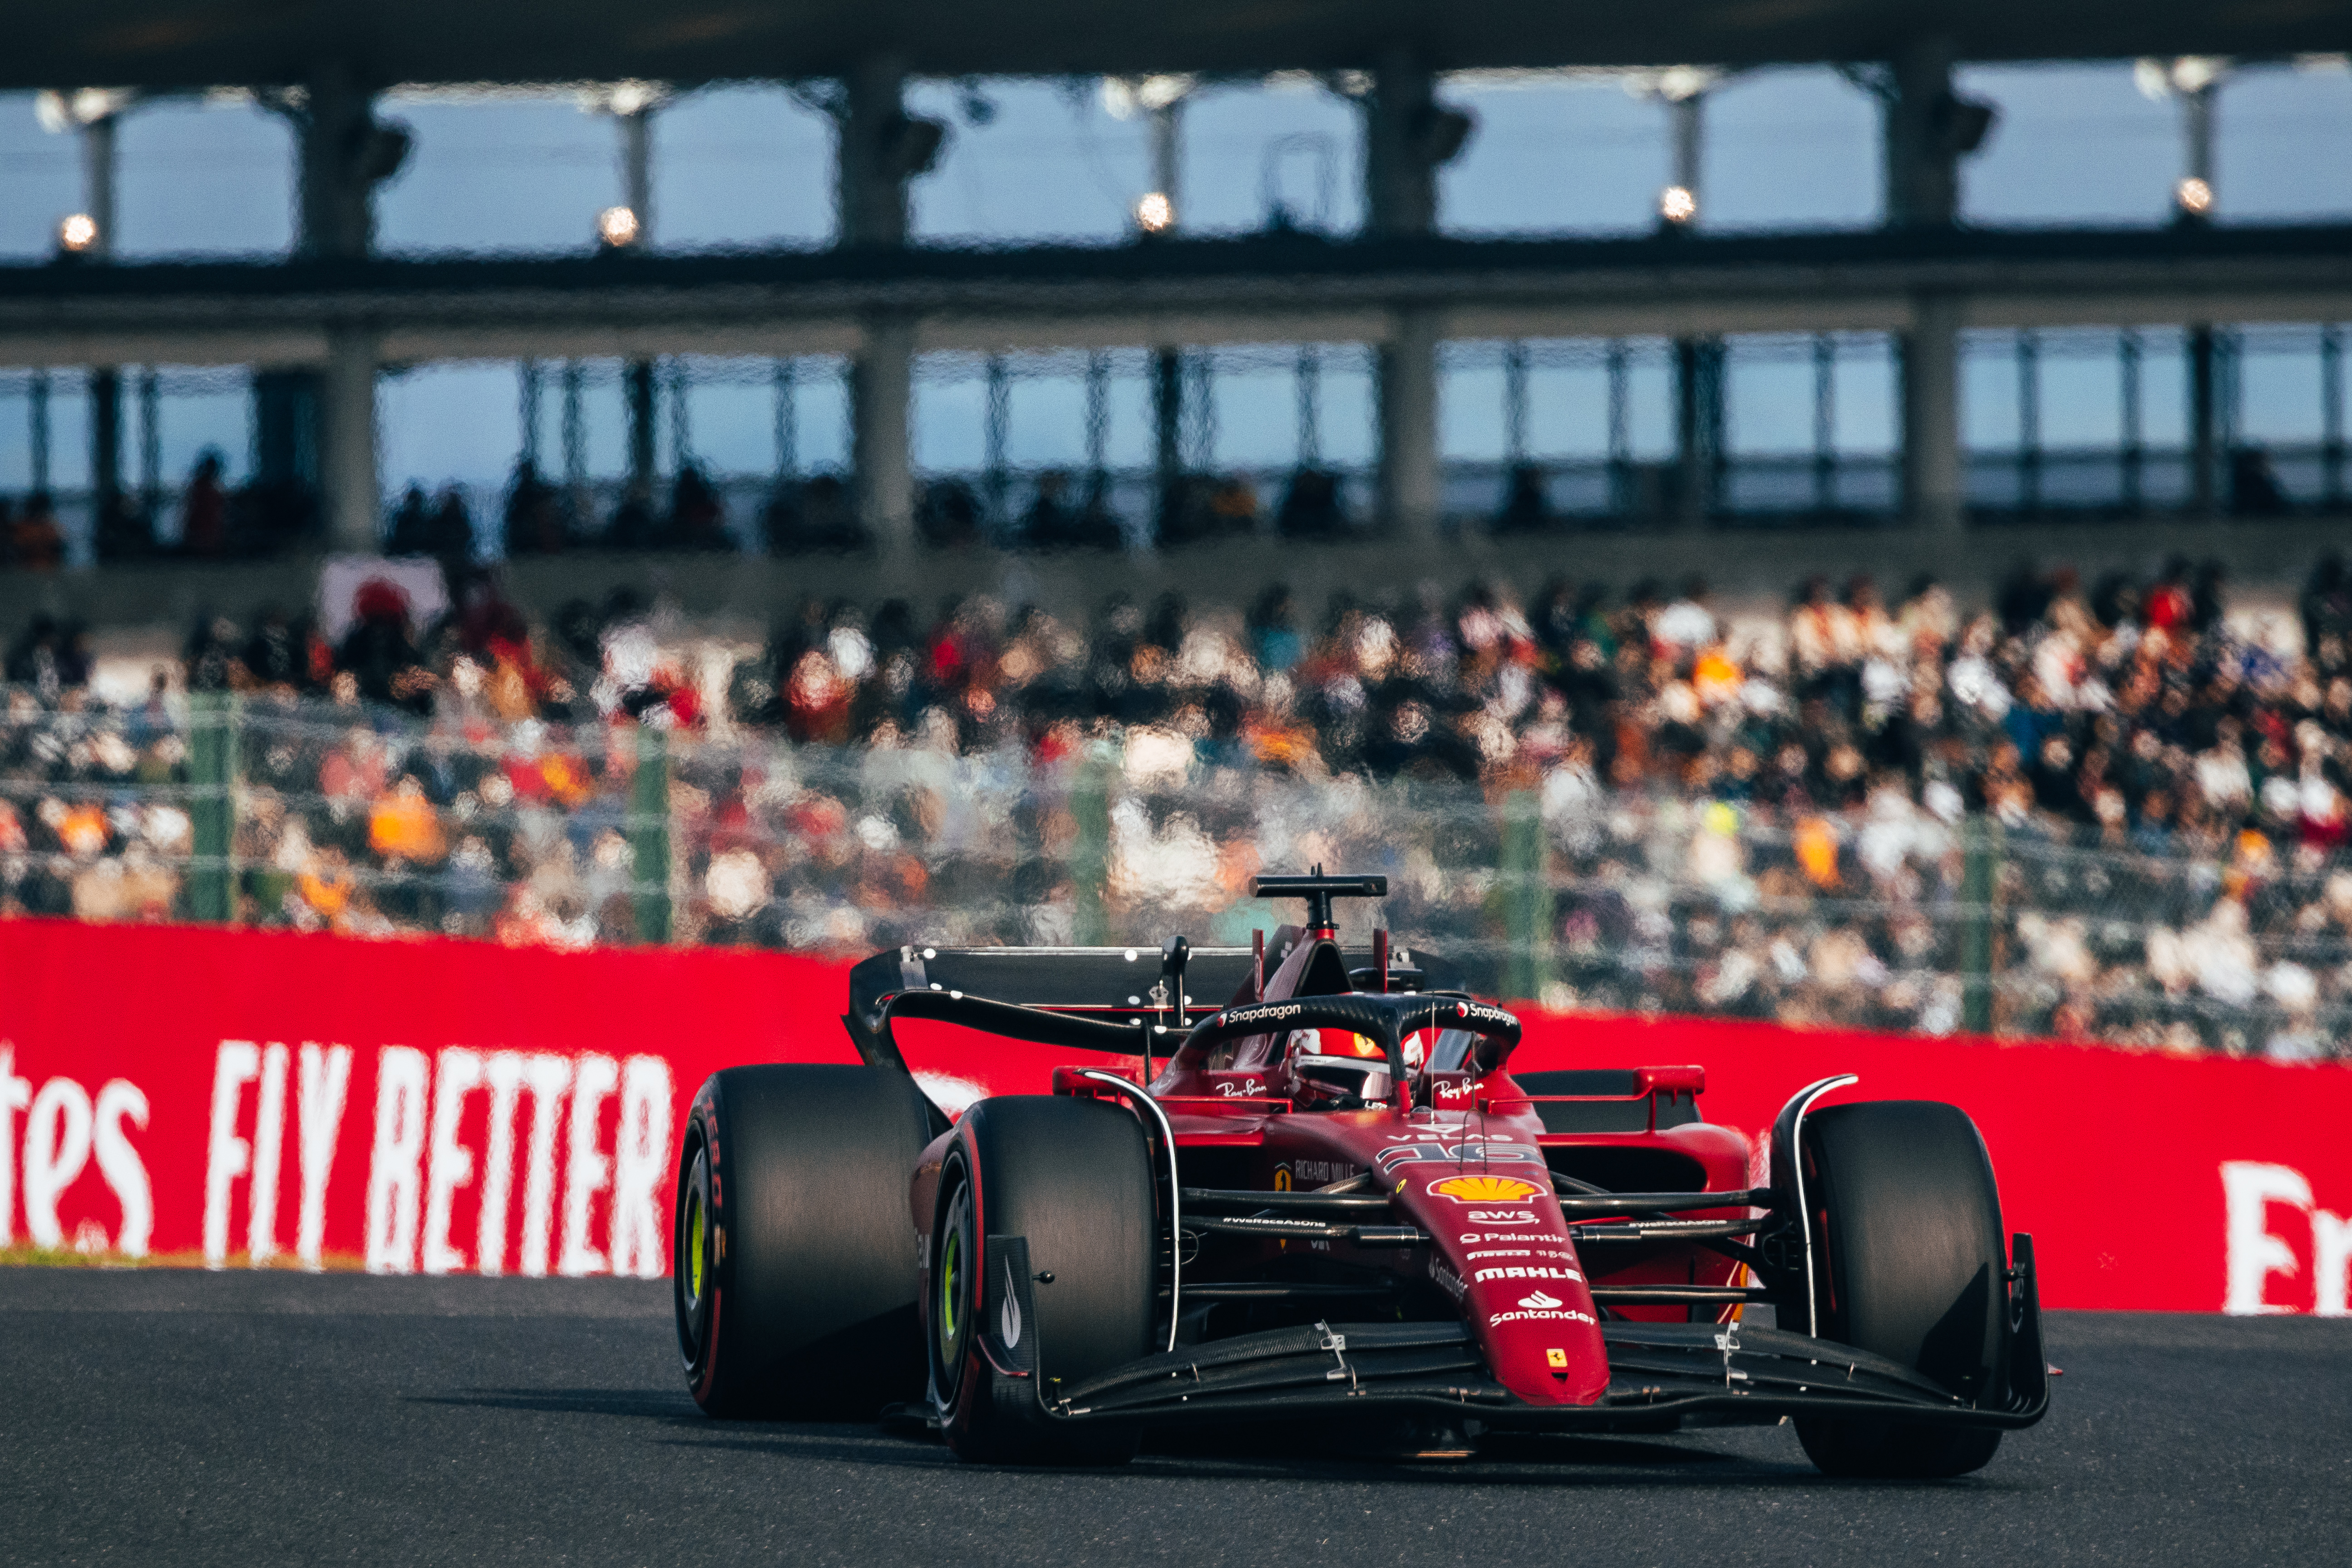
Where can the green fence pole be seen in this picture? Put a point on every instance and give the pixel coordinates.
(649, 836)
(1090, 854)
(1523, 896)
(1980, 875)
(212, 773)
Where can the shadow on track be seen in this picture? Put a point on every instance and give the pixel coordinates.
(638, 1402)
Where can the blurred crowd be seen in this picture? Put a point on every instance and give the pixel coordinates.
(2087, 811)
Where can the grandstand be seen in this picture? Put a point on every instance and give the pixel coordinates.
(677, 699)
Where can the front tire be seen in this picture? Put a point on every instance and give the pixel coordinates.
(1909, 1266)
(795, 1273)
(1074, 1179)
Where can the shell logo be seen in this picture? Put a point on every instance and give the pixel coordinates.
(1485, 1189)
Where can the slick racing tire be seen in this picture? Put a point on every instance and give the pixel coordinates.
(795, 1276)
(1909, 1265)
(1073, 1179)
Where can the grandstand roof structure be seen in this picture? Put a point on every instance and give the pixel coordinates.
(195, 44)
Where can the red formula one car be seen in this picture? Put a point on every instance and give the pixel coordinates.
(1325, 1198)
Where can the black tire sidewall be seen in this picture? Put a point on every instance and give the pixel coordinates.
(1074, 1178)
(811, 1274)
(1910, 1265)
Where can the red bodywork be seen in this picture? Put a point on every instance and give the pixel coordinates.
(1470, 1167)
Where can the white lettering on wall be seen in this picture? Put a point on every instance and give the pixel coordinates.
(2331, 1261)
(503, 1072)
(549, 1079)
(227, 1156)
(402, 1077)
(16, 1094)
(326, 1077)
(119, 1163)
(56, 1147)
(640, 1161)
(451, 1164)
(586, 1170)
(2252, 1188)
(269, 1157)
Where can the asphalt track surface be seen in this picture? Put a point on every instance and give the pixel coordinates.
(184, 1418)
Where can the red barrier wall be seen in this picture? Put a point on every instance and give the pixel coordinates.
(458, 1107)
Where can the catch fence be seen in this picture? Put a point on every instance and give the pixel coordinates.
(1886, 915)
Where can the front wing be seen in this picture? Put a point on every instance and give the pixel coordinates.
(1660, 1374)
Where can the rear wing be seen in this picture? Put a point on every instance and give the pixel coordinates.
(1104, 983)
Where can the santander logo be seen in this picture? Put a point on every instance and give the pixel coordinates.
(1538, 1302)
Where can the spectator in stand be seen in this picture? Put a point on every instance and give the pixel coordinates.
(697, 520)
(1054, 523)
(380, 651)
(633, 525)
(1526, 508)
(451, 536)
(817, 515)
(1311, 507)
(204, 508)
(948, 514)
(533, 522)
(1760, 819)
(2254, 488)
(123, 531)
(33, 541)
(412, 525)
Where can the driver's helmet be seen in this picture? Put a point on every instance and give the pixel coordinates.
(1346, 1043)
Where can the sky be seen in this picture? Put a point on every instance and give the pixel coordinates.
(1032, 161)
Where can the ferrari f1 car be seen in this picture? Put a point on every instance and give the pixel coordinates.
(1324, 1197)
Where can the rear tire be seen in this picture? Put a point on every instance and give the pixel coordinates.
(794, 1269)
(1910, 1267)
(1074, 1178)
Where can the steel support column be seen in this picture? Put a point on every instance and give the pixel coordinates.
(882, 388)
(2204, 446)
(1698, 429)
(1926, 130)
(98, 169)
(1922, 152)
(1410, 478)
(1407, 136)
(353, 493)
(879, 148)
(1934, 486)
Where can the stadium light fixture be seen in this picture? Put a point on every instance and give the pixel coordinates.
(1155, 214)
(1679, 205)
(616, 227)
(78, 234)
(2193, 197)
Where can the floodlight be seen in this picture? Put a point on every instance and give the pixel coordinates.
(2193, 197)
(617, 227)
(78, 234)
(1155, 214)
(1678, 204)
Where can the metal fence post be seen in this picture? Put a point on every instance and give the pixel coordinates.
(649, 836)
(212, 800)
(1980, 876)
(1090, 854)
(1523, 896)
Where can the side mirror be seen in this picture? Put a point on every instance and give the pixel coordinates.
(1174, 954)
